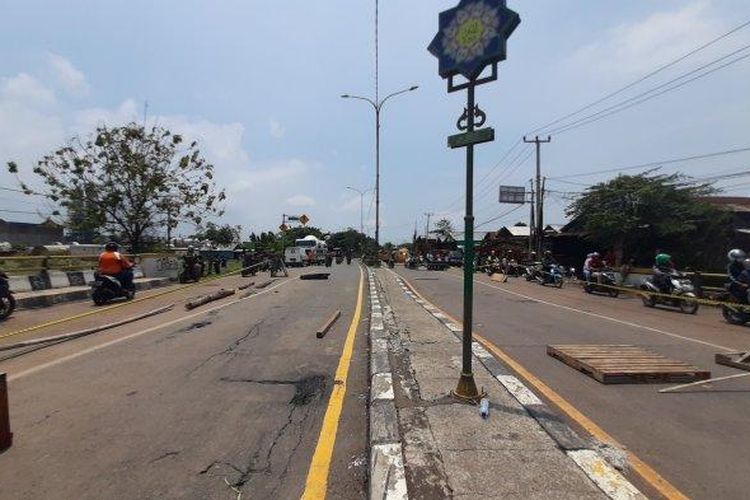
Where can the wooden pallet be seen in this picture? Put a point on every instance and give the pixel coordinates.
(739, 360)
(625, 364)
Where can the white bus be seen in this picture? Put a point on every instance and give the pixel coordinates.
(306, 251)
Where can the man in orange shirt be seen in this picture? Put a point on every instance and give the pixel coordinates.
(112, 263)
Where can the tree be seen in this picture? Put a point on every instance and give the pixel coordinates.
(129, 181)
(444, 229)
(352, 240)
(636, 214)
(225, 235)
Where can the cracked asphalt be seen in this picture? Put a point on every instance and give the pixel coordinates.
(227, 401)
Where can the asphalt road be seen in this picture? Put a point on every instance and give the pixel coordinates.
(189, 404)
(696, 439)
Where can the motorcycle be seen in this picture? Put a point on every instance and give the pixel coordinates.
(492, 266)
(530, 272)
(732, 309)
(553, 276)
(107, 288)
(603, 282)
(7, 301)
(682, 294)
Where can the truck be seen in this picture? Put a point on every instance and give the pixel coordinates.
(305, 252)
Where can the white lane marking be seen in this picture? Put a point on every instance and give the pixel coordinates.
(608, 318)
(387, 476)
(519, 391)
(611, 482)
(95, 348)
(382, 386)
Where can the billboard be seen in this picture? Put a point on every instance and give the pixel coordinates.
(512, 194)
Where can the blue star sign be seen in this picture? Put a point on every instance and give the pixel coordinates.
(472, 35)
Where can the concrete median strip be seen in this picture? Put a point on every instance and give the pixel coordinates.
(581, 451)
(387, 475)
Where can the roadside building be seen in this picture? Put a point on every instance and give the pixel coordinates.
(29, 234)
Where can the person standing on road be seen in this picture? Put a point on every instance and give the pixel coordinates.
(113, 263)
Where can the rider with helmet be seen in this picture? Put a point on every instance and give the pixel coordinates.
(663, 270)
(592, 264)
(113, 263)
(735, 268)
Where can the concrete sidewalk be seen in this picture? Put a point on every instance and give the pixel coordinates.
(426, 445)
(52, 296)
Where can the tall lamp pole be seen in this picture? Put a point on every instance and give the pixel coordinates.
(378, 106)
(361, 206)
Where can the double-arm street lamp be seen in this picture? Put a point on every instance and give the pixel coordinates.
(361, 206)
(378, 106)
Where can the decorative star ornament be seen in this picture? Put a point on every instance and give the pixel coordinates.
(472, 35)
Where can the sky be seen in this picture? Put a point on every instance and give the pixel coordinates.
(258, 84)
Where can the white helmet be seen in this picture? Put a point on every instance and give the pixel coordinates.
(736, 255)
(746, 263)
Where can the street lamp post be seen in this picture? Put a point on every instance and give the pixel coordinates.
(361, 206)
(378, 106)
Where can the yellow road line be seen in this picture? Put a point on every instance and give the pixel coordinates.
(114, 306)
(648, 474)
(316, 485)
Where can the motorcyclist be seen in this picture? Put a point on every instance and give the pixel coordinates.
(190, 259)
(548, 261)
(735, 268)
(113, 263)
(591, 265)
(663, 270)
(743, 282)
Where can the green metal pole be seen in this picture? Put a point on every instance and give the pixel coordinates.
(467, 388)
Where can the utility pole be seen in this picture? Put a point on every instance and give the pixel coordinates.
(539, 190)
(532, 242)
(427, 228)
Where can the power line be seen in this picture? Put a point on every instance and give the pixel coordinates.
(641, 79)
(499, 216)
(654, 163)
(622, 106)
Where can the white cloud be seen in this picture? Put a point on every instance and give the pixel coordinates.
(277, 130)
(67, 75)
(26, 89)
(300, 200)
(635, 48)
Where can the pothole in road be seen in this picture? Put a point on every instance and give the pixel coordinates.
(306, 389)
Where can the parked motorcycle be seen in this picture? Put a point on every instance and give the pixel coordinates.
(530, 272)
(7, 301)
(107, 288)
(553, 276)
(732, 309)
(602, 282)
(682, 295)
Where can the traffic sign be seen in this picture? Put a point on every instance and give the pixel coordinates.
(304, 219)
(283, 227)
(474, 137)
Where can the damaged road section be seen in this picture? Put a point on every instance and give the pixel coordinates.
(264, 469)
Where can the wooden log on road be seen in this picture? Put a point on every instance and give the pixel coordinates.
(88, 331)
(328, 324)
(246, 285)
(314, 276)
(264, 284)
(209, 298)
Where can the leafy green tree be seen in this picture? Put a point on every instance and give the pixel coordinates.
(636, 214)
(130, 181)
(353, 241)
(224, 235)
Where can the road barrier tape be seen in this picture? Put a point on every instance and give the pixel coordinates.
(47, 324)
(639, 292)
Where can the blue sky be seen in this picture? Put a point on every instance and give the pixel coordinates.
(258, 84)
